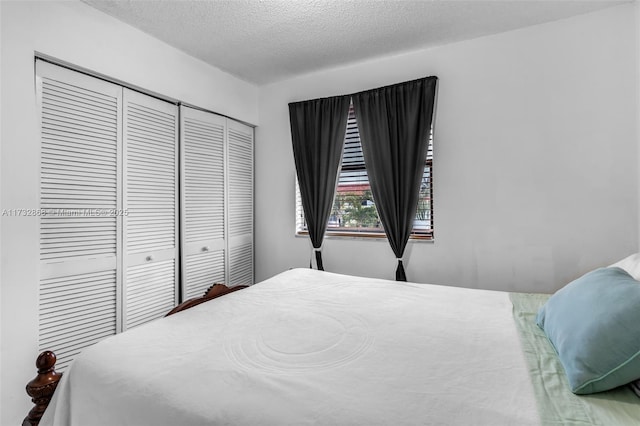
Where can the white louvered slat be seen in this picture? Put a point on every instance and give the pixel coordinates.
(80, 126)
(240, 183)
(203, 173)
(151, 202)
(79, 171)
(240, 196)
(241, 264)
(203, 199)
(150, 135)
(75, 312)
(150, 291)
(202, 271)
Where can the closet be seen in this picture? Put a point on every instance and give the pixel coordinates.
(143, 203)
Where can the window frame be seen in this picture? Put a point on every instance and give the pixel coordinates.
(427, 235)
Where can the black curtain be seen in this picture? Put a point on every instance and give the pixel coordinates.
(317, 131)
(394, 124)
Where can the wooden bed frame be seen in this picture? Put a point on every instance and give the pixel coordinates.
(42, 387)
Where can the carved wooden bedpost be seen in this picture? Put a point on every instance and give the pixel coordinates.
(41, 388)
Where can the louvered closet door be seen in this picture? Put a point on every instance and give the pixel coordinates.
(151, 208)
(79, 177)
(240, 202)
(203, 207)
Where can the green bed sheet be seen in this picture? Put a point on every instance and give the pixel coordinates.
(557, 405)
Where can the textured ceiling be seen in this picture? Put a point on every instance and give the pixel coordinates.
(263, 41)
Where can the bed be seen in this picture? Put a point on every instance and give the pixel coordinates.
(307, 347)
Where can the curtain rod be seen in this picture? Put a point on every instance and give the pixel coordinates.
(367, 90)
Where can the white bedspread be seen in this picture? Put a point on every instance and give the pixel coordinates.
(310, 348)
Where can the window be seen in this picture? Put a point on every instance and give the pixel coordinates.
(354, 212)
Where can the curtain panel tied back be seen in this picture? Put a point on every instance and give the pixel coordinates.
(395, 123)
(317, 132)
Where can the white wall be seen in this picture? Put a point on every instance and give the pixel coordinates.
(637, 16)
(78, 34)
(535, 158)
(1, 344)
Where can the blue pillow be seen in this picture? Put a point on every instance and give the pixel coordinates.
(594, 325)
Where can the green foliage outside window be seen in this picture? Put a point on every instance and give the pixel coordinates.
(354, 210)
(423, 212)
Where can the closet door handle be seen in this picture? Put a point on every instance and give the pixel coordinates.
(205, 248)
(149, 258)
